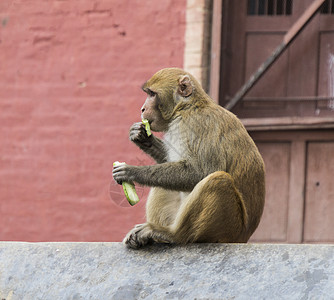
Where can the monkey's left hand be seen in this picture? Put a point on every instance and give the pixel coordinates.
(123, 172)
(139, 136)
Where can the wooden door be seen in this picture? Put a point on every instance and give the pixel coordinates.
(277, 158)
(300, 81)
(299, 186)
(319, 193)
(296, 92)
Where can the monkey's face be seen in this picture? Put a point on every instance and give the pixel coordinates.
(165, 90)
(151, 112)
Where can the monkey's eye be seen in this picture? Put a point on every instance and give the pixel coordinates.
(151, 93)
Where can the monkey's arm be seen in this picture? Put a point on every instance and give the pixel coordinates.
(151, 145)
(179, 176)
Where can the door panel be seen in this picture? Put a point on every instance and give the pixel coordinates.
(299, 203)
(252, 29)
(319, 203)
(273, 225)
(274, 83)
(326, 69)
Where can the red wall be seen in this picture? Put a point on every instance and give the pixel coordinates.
(70, 78)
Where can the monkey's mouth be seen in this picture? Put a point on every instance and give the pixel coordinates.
(143, 118)
(150, 123)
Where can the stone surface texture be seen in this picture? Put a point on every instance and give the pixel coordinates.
(197, 271)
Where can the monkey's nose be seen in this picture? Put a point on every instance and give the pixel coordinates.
(142, 109)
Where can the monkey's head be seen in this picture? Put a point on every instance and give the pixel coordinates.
(166, 91)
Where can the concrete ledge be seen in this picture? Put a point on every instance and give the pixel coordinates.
(209, 271)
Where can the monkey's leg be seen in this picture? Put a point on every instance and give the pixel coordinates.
(161, 208)
(213, 212)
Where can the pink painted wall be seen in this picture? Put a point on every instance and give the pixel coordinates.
(70, 78)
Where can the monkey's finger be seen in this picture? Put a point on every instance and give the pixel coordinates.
(137, 126)
(136, 135)
(120, 175)
(118, 172)
(118, 182)
(118, 179)
(139, 135)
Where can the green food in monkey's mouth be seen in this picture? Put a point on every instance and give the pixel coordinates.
(147, 127)
(128, 188)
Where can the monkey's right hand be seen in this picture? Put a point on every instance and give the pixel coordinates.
(139, 136)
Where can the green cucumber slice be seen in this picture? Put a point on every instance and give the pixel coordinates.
(129, 189)
(130, 193)
(147, 127)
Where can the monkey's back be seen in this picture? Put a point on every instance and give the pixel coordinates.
(247, 168)
(218, 141)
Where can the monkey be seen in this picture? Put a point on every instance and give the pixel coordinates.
(208, 182)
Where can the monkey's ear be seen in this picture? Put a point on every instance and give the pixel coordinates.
(185, 87)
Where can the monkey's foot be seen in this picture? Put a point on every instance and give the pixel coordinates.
(139, 236)
(147, 233)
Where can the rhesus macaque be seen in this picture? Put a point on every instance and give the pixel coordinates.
(208, 184)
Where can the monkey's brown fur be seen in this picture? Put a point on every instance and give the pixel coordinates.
(208, 184)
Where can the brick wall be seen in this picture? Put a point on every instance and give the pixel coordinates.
(197, 40)
(70, 77)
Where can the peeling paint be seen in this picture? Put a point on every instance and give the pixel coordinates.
(331, 80)
(4, 21)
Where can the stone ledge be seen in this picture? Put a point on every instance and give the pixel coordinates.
(198, 271)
